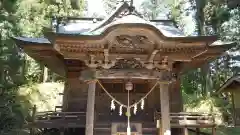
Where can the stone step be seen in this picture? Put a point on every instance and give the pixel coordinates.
(102, 132)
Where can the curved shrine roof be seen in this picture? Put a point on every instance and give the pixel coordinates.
(87, 27)
(125, 31)
(230, 85)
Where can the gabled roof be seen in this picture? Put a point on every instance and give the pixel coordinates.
(81, 32)
(120, 18)
(234, 79)
(89, 27)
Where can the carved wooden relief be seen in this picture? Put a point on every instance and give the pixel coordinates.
(131, 44)
(132, 41)
(128, 64)
(79, 47)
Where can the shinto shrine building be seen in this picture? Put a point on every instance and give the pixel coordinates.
(122, 74)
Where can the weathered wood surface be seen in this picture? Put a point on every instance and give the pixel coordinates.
(77, 119)
(165, 109)
(190, 119)
(90, 108)
(144, 74)
(58, 119)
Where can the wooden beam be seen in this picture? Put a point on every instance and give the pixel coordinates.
(123, 74)
(137, 81)
(175, 56)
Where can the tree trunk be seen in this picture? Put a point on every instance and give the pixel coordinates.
(44, 75)
(205, 70)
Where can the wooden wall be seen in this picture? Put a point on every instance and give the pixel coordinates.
(236, 105)
(75, 96)
(75, 99)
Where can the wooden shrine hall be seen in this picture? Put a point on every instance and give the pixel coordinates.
(231, 86)
(122, 74)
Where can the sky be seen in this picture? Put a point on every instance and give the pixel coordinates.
(96, 6)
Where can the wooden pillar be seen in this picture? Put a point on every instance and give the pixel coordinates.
(34, 110)
(90, 108)
(197, 131)
(159, 127)
(214, 132)
(185, 128)
(61, 131)
(185, 131)
(165, 109)
(65, 96)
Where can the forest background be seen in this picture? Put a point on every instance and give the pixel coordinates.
(25, 82)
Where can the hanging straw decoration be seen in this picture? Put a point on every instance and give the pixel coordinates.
(135, 109)
(113, 107)
(142, 104)
(120, 110)
(123, 105)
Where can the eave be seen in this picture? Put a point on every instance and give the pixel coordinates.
(53, 36)
(43, 53)
(228, 83)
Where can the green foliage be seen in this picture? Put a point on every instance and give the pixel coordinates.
(23, 18)
(110, 5)
(45, 95)
(212, 105)
(226, 131)
(28, 17)
(12, 113)
(153, 9)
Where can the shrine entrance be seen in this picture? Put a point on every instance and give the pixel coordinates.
(120, 129)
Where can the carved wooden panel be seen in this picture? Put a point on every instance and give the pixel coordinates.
(134, 42)
(137, 44)
(80, 47)
(128, 64)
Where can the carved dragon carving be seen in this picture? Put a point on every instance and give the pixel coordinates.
(133, 42)
(128, 64)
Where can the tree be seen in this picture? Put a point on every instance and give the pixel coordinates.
(110, 5)
(23, 18)
(152, 9)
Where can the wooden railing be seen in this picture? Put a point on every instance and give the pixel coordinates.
(52, 119)
(59, 115)
(189, 119)
(76, 119)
